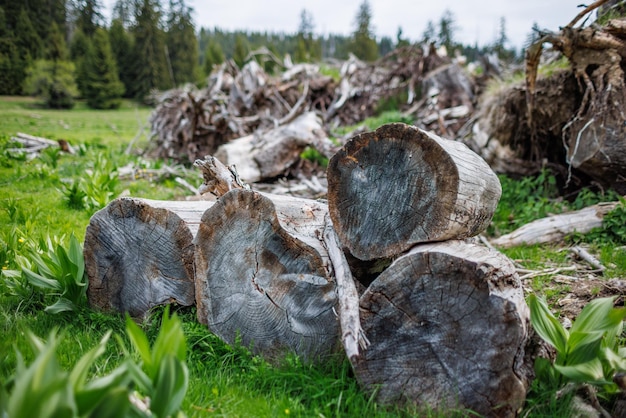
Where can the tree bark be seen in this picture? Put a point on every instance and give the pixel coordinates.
(448, 325)
(260, 282)
(139, 254)
(273, 152)
(555, 228)
(399, 186)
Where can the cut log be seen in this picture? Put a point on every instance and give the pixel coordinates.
(555, 228)
(273, 152)
(399, 185)
(139, 254)
(259, 284)
(448, 324)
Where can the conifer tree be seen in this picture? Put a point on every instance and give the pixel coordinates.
(11, 66)
(212, 56)
(240, 52)
(28, 41)
(149, 61)
(88, 16)
(103, 89)
(122, 49)
(78, 51)
(182, 44)
(363, 43)
(52, 78)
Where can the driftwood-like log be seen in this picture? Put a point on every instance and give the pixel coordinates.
(139, 254)
(258, 283)
(399, 185)
(271, 153)
(448, 324)
(555, 228)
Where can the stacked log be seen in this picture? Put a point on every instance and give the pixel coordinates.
(443, 325)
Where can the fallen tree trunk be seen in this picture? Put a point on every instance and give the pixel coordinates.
(271, 153)
(447, 323)
(259, 283)
(398, 186)
(139, 254)
(555, 228)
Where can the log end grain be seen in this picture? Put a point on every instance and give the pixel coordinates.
(258, 285)
(447, 325)
(137, 257)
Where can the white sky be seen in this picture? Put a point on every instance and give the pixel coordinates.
(477, 21)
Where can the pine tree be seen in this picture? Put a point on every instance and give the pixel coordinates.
(88, 16)
(240, 52)
(363, 43)
(53, 77)
(103, 89)
(447, 28)
(28, 41)
(182, 44)
(212, 56)
(149, 61)
(11, 66)
(429, 33)
(122, 48)
(124, 12)
(78, 51)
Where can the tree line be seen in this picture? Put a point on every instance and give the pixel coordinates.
(61, 50)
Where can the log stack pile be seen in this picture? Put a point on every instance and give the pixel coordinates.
(444, 324)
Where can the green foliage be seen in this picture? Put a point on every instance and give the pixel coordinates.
(613, 227)
(44, 389)
(212, 56)
(363, 43)
(241, 51)
(12, 66)
(162, 373)
(182, 43)
(53, 82)
(56, 272)
(315, 156)
(102, 87)
(122, 48)
(589, 352)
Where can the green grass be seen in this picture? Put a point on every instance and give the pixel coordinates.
(224, 381)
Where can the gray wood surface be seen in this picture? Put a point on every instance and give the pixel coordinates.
(447, 325)
(138, 256)
(259, 285)
(398, 186)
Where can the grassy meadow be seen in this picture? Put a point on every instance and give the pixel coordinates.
(46, 201)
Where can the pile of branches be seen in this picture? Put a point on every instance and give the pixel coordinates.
(189, 123)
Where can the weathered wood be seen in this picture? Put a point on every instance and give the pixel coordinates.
(555, 228)
(448, 325)
(259, 284)
(139, 254)
(399, 185)
(352, 336)
(271, 153)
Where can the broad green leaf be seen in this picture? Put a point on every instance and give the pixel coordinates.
(598, 315)
(141, 379)
(140, 342)
(170, 386)
(114, 404)
(590, 371)
(171, 339)
(42, 282)
(614, 360)
(61, 305)
(546, 325)
(78, 375)
(97, 390)
(76, 256)
(583, 352)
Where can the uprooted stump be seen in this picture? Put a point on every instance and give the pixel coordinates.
(259, 284)
(399, 186)
(447, 323)
(139, 254)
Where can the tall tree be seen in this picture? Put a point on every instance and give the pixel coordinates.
(447, 29)
(124, 11)
(103, 89)
(53, 77)
(149, 60)
(307, 47)
(79, 47)
(212, 56)
(363, 43)
(12, 68)
(27, 39)
(240, 52)
(182, 43)
(122, 48)
(88, 16)
(429, 33)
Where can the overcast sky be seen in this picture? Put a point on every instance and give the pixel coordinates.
(477, 21)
